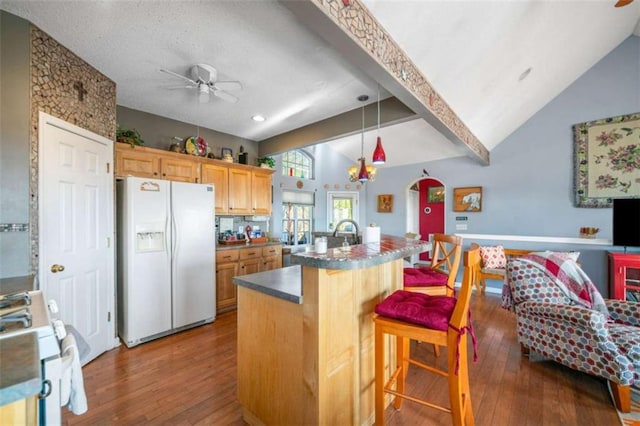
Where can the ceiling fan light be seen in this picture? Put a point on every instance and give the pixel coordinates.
(203, 93)
(379, 156)
(363, 175)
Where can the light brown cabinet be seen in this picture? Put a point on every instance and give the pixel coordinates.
(261, 192)
(271, 258)
(241, 261)
(226, 269)
(219, 177)
(154, 163)
(239, 189)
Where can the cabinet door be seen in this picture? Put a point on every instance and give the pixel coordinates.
(219, 177)
(624, 276)
(226, 296)
(136, 162)
(249, 266)
(261, 191)
(177, 169)
(239, 191)
(271, 262)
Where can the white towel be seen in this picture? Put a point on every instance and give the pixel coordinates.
(72, 383)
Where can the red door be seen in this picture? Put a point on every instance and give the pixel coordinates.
(431, 215)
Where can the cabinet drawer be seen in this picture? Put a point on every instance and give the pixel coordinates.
(272, 251)
(227, 256)
(250, 253)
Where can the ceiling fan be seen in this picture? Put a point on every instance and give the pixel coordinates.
(204, 78)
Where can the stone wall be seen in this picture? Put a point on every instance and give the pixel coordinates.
(66, 87)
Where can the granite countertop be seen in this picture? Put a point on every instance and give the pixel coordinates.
(362, 255)
(16, 284)
(20, 375)
(222, 247)
(283, 283)
(286, 283)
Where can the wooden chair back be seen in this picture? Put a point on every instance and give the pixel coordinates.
(445, 256)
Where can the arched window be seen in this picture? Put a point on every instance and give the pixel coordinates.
(297, 163)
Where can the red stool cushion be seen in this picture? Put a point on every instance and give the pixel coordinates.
(423, 277)
(432, 312)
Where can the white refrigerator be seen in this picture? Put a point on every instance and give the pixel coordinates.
(166, 257)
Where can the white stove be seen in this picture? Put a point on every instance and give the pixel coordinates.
(27, 312)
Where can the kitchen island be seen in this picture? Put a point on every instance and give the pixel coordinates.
(306, 337)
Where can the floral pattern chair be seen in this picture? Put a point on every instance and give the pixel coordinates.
(554, 326)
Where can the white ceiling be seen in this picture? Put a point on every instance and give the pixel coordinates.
(473, 52)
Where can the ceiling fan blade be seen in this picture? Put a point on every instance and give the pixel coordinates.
(227, 85)
(180, 87)
(225, 96)
(179, 76)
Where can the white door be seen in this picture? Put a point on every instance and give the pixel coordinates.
(76, 229)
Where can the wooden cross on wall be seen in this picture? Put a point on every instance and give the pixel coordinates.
(81, 90)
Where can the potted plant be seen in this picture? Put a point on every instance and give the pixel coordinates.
(132, 137)
(267, 162)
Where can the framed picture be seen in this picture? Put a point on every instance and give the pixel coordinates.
(226, 152)
(467, 199)
(606, 160)
(435, 194)
(385, 203)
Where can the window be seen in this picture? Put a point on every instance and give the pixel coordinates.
(341, 205)
(297, 217)
(297, 163)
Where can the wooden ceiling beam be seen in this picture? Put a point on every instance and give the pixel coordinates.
(353, 31)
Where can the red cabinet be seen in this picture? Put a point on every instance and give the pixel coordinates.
(624, 276)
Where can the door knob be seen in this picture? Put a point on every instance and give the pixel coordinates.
(57, 268)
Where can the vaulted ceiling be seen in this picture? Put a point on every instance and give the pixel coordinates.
(494, 63)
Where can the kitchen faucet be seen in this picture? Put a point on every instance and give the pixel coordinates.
(355, 224)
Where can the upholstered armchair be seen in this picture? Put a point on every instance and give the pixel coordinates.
(561, 316)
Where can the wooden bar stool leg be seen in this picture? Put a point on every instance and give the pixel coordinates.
(379, 373)
(402, 354)
(459, 395)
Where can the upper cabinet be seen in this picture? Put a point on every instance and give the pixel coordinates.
(219, 177)
(240, 201)
(154, 163)
(239, 189)
(261, 192)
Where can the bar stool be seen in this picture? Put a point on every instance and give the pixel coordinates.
(441, 320)
(439, 278)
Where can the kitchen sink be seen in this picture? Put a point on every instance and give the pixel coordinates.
(333, 242)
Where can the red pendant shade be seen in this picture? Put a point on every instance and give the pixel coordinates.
(621, 3)
(379, 157)
(363, 175)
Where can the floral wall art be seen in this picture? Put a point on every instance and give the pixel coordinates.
(607, 160)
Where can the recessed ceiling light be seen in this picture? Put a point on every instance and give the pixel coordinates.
(258, 118)
(525, 74)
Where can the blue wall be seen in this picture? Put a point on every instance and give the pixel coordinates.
(528, 188)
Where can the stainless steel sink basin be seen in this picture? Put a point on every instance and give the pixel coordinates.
(337, 241)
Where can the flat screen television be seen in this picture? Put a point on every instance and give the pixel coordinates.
(626, 222)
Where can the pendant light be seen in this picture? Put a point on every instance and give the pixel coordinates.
(379, 157)
(363, 174)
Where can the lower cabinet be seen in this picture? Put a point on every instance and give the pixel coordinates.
(241, 261)
(271, 258)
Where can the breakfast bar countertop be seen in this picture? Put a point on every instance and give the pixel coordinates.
(362, 255)
(283, 283)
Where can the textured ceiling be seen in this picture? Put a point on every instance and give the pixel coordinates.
(472, 52)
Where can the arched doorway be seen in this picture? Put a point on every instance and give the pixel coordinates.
(425, 210)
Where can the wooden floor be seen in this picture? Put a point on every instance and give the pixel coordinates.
(190, 379)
